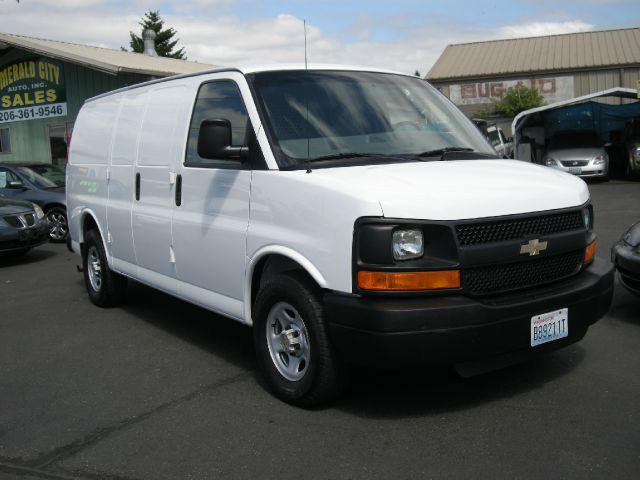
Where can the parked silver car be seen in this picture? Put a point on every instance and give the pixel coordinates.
(578, 152)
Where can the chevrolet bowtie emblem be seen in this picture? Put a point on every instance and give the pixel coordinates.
(533, 247)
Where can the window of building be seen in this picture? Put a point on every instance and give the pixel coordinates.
(5, 144)
(57, 144)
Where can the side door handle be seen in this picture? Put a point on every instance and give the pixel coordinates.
(179, 190)
(138, 186)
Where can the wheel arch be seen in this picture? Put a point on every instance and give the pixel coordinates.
(88, 221)
(49, 206)
(271, 261)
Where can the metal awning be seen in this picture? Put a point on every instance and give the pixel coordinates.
(522, 118)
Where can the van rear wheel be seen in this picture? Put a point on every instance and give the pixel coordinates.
(292, 342)
(105, 287)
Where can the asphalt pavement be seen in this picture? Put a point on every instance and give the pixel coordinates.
(160, 389)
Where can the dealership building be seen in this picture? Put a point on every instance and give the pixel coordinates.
(43, 84)
(561, 67)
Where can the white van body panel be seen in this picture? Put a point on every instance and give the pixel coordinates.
(425, 191)
(210, 226)
(124, 150)
(303, 212)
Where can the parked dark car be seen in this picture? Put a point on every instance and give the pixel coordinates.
(42, 184)
(631, 141)
(22, 226)
(626, 257)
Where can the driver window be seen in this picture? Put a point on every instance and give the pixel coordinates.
(217, 100)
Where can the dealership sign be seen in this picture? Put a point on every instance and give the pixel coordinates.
(32, 89)
(553, 89)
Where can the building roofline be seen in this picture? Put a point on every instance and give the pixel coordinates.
(55, 49)
(531, 37)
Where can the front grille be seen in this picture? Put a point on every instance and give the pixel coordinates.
(501, 230)
(575, 163)
(514, 276)
(13, 220)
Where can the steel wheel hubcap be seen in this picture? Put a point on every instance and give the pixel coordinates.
(288, 341)
(94, 268)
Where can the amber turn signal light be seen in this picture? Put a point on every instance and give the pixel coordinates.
(590, 252)
(406, 281)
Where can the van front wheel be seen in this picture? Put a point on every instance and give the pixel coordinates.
(292, 342)
(105, 288)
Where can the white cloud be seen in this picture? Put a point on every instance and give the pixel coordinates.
(535, 29)
(211, 34)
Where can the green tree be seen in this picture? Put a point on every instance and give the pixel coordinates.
(165, 44)
(518, 100)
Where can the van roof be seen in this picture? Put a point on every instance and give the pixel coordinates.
(246, 70)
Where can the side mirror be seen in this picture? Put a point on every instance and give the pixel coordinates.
(214, 141)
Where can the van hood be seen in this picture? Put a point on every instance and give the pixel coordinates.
(457, 190)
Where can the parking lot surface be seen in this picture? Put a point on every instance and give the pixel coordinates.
(160, 389)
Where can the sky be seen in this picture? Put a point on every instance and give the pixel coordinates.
(401, 35)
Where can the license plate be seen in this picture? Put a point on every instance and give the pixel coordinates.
(549, 326)
(575, 170)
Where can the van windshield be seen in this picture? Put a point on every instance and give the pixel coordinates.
(339, 115)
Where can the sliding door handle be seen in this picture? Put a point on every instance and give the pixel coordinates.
(137, 186)
(179, 190)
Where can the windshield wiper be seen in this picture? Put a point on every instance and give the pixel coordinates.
(443, 151)
(342, 156)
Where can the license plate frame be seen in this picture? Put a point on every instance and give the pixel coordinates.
(550, 326)
(575, 170)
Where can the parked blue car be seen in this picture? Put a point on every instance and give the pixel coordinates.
(22, 226)
(42, 184)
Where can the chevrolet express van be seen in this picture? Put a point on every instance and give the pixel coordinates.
(347, 215)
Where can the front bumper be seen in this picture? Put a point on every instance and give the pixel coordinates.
(393, 332)
(588, 171)
(16, 240)
(627, 262)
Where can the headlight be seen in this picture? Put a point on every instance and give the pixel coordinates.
(632, 236)
(39, 211)
(408, 244)
(551, 162)
(636, 153)
(599, 160)
(587, 217)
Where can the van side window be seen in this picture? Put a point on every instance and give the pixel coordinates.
(217, 100)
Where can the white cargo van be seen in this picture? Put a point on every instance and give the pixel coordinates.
(348, 215)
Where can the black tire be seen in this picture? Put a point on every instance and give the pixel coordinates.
(105, 288)
(321, 376)
(58, 227)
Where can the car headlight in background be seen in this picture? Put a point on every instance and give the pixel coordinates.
(39, 211)
(636, 153)
(408, 244)
(598, 160)
(551, 162)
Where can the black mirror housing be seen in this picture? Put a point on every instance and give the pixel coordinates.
(214, 141)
